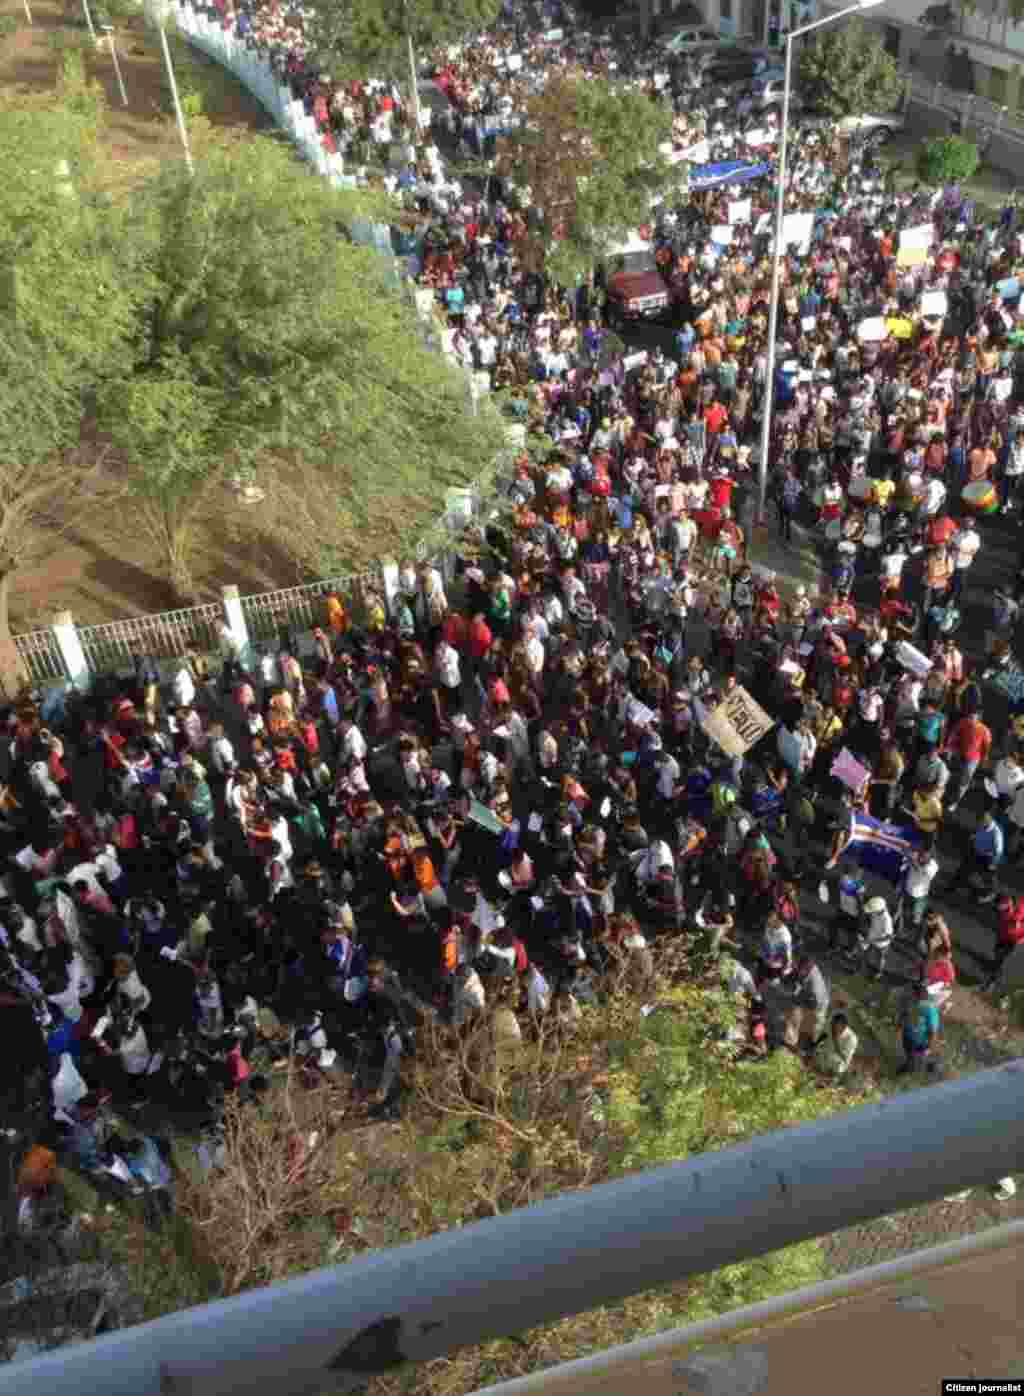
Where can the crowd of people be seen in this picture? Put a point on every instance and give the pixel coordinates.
(478, 797)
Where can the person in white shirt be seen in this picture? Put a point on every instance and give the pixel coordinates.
(468, 998)
(668, 774)
(183, 687)
(353, 743)
(837, 1051)
(1009, 776)
(657, 856)
(933, 497)
(917, 882)
(965, 547)
(446, 660)
(894, 558)
(221, 752)
(876, 934)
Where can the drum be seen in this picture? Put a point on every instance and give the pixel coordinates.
(981, 497)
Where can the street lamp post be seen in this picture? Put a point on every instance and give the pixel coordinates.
(777, 247)
(158, 12)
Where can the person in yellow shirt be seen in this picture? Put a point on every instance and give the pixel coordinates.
(884, 491)
(927, 809)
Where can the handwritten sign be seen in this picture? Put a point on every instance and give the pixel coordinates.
(911, 256)
(739, 211)
(737, 724)
(796, 231)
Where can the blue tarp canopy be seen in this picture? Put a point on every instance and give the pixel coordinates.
(725, 172)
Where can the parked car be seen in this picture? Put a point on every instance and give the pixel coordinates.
(692, 39)
(875, 127)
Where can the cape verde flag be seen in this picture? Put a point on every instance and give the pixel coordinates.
(880, 847)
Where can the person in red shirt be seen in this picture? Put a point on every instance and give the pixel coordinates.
(971, 741)
(456, 631)
(479, 638)
(715, 418)
(1010, 934)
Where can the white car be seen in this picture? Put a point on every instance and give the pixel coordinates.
(690, 40)
(876, 127)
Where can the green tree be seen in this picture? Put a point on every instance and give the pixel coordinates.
(947, 160)
(71, 288)
(588, 152)
(272, 345)
(358, 38)
(846, 71)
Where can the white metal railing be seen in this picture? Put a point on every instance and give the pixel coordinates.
(334, 1329)
(41, 655)
(169, 633)
(298, 607)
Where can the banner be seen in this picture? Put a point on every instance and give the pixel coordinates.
(880, 847)
(737, 724)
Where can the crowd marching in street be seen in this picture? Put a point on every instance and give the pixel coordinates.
(603, 725)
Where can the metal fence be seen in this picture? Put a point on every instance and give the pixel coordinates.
(41, 656)
(299, 608)
(169, 634)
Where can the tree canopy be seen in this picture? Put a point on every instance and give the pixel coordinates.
(208, 327)
(360, 37)
(588, 152)
(947, 160)
(846, 71)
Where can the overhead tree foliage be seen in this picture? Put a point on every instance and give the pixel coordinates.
(272, 345)
(71, 291)
(846, 71)
(588, 153)
(947, 160)
(366, 37)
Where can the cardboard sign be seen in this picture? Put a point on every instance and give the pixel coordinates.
(911, 256)
(739, 211)
(722, 234)
(849, 770)
(934, 303)
(738, 723)
(872, 331)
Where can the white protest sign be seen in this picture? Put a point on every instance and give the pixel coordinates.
(763, 223)
(934, 303)
(759, 137)
(722, 234)
(700, 153)
(738, 723)
(739, 211)
(797, 229)
(919, 237)
(873, 330)
(808, 323)
(514, 62)
(634, 360)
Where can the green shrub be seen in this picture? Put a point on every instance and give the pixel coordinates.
(67, 40)
(947, 160)
(8, 25)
